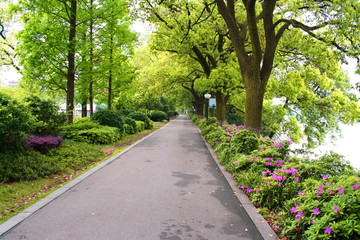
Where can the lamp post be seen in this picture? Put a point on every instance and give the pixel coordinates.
(207, 97)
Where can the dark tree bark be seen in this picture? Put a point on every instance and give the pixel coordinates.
(71, 63)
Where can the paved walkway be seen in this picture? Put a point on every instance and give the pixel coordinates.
(166, 187)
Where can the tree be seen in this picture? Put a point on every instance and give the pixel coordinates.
(256, 28)
(184, 30)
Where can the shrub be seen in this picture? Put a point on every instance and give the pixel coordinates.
(26, 166)
(158, 116)
(326, 209)
(46, 112)
(125, 112)
(244, 141)
(139, 116)
(43, 143)
(15, 122)
(131, 125)
(140, 126)
(82, 120)
(32, 165)
(109, 118)
(91, 132)
(97, 134)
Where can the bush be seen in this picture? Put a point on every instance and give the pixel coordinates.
(131, 129)
(140, 126)
(43, 144)
(15, 122)
(46, 112)
(125, 112)
(92, 132)
(32, 165)
(326, 209)
(82, 120)
(158, 116)
(139, 116)
(109, 118)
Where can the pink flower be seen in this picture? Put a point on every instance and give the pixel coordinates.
(235, 162)
(325, 177)
(356, 186)
(298, 217)
(293, 210)
(257, 190)
(328, 230)
(331, 192)
(312, 221)
(296, 179)
(316, 211)
(336, 209)
(340, 191)
(249, 190)
(290, 141)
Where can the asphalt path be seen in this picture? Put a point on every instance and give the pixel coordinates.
(166, 187)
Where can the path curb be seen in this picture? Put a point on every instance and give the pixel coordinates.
(18, 218)
(264, 228)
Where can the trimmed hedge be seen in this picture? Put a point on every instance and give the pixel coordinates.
(158, 116)
(92, 132)
(109, 118)
(139, 116)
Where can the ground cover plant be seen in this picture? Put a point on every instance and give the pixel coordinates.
(301, 198)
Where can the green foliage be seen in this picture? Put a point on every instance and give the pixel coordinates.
(157, 116)
(46, 112)
(110, 118)
(326, 209)
(244, 141)
(31, 165)
(292, 188)
(140, 126)
(139, 116)
(131, 125)
(82, 120)
(125, 112)
(92, 132)
(15, 122)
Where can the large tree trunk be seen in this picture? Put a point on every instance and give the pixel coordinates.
(71, 64)
(255, 91)
(110, 80)
(91, 85)
(84, 108)
(220, 108)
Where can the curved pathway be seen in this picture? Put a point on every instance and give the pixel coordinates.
(168, 186)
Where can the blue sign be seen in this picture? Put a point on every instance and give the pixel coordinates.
(212, 103)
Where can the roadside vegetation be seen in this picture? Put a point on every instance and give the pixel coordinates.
(300, 197)
(39, 152)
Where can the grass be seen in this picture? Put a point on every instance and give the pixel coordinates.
(15, 197)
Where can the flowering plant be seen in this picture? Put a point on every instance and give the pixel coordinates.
(324, 210)
(43, 143)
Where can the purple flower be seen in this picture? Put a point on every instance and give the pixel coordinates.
(278, 178)
(325, 177)
(229, 138)
(296, 179)
(312, 221)
(298, 217)
(336, 209)
(328, 230)
(293, 210)
(257, 190)
(268, 164)
(235, 162)
(249, 190)
(330, 191)
(316, 211)
(279, 144)
(356, 186)
(290, 141)
(340, 191)
(301, 193)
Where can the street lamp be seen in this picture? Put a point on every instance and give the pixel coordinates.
(207, 97)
